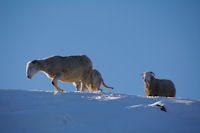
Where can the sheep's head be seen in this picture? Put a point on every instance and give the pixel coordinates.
(147, 76)
(32, 68)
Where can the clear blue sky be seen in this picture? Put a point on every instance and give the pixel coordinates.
(122, 38)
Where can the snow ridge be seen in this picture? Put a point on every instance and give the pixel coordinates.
(75, 112)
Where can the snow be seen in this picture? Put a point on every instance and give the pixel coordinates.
(74, 112)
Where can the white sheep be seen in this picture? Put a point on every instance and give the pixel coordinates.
(73, 68)
(96, 82)
(157, 87)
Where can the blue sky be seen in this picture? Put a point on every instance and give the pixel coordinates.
(122, 38)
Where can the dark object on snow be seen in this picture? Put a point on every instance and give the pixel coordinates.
(162, 107)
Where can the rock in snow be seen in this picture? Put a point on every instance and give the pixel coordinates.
(73, 112)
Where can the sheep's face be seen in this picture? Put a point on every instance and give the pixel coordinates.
(31, 69)
(147, 76)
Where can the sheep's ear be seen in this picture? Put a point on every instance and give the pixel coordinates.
(35, 62)
(142, 75)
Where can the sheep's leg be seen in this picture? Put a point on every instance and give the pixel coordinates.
(78, 86)
(91, 89)
(55, 83)
(83, 86)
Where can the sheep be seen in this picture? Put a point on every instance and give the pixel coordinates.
(74, 68)
(157, 87)
(97, 81)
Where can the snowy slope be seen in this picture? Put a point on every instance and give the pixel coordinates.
(73, 112)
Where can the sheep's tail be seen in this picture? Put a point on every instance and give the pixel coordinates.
(174, 90)
(102, 82)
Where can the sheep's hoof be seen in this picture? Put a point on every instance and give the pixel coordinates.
(58, 89)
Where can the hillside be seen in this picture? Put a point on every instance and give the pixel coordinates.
(42, 111)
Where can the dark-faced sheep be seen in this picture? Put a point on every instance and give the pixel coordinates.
(96, 82)
(75, 68)
(157, 87)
